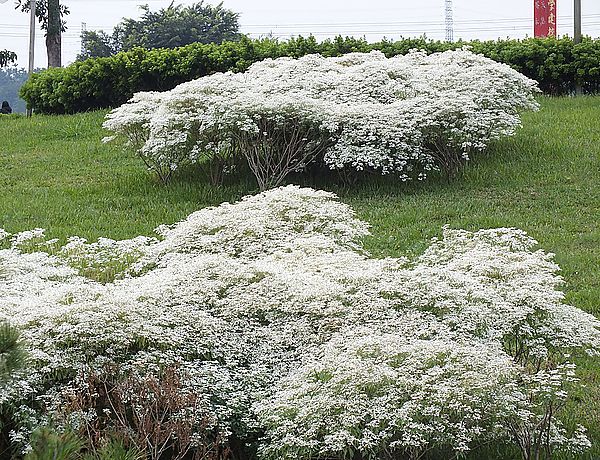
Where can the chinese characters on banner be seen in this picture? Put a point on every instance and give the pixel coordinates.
(544, 17)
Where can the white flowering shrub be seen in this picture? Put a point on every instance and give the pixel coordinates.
(406, 115)
(103, 260)
(370, 390)
(285, 330)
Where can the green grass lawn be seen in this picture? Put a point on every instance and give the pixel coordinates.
(56, 174)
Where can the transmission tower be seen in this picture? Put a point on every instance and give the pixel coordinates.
(83, 30)
(449, 22)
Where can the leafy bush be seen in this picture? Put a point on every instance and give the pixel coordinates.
(406, 115)
(558, 65)
(292, 338)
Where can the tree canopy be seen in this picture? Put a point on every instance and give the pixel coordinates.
(171, 27)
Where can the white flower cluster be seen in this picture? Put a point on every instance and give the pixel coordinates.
(285, 326)
(407, 114)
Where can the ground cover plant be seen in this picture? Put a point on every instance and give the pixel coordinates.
(265, 322)
(406, 116)
(545, 180)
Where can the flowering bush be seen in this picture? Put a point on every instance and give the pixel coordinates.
(406, 115)
(286, 331)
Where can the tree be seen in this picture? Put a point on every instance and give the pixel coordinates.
(169, 27)
(7, 57)
(97, 44)
(49, 14)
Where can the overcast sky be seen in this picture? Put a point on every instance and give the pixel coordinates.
(373, 19)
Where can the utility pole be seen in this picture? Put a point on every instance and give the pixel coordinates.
(449, 21)
(31, 44)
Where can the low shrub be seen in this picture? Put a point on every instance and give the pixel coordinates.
(295, 343)
(405, 115)
(154, 415)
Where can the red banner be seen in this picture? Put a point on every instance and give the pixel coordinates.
(544, 17)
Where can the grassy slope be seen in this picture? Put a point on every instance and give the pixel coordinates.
(55, 174)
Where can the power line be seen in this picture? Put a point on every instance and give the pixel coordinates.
(384, 30)
(344, 24)
(500, 21)
(325, 29)
(390, 31)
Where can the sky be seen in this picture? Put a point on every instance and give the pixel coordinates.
(373, 19)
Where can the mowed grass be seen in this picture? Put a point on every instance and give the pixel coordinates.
(56, 174)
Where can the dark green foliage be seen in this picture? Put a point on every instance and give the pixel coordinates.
(7, 57)
(170, 27)
(179, 25)
(13, 357)
(109, 82)
(97, 44)
(12, 353)
(115, 450)
(47, 444)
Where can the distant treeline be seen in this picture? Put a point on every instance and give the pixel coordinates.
(11, 80)
(557, 64)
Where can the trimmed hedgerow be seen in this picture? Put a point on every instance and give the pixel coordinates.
(558, 65)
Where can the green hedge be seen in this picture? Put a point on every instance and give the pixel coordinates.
(557, 64)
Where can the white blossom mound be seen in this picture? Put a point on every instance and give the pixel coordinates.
(407, 115)
(290, 332)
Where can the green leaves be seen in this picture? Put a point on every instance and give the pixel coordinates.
(170, 27)
(48, 444)
(12, 352)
